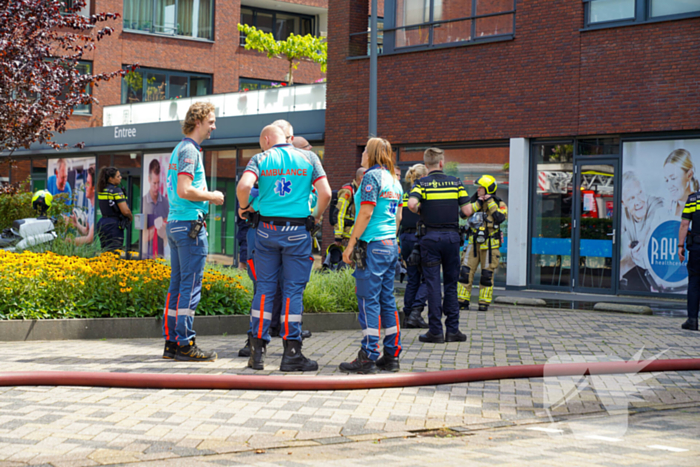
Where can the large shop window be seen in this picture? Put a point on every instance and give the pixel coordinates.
(552, 208)
(428, 23)
(469, 164)
(280, 23)
(188, 18)
(149, 85)
(616, 12)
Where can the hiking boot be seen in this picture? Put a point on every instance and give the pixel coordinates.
(362, 365)
(415, 320)
(258, 348)
(192, 353)
(458, 336)
(464, 304)
(483, 307)
(170, 350)
(432, 338)
(388, 362)
(245, 351)
(294, 360)
(690, 324)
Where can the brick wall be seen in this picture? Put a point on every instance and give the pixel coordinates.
(552, 80)
(224, 58)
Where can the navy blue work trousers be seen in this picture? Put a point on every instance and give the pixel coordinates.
(416, 293)
(441, 248)
(693, 284)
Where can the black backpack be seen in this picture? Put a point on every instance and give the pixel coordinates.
(333, 213)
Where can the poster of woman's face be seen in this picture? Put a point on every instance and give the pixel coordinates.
(658, 177)
(75, 179)
(155, 206)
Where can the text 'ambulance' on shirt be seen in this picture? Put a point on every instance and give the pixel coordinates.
(285, 179)
(381, 189)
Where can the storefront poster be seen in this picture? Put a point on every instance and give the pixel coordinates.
(155, 206)
(76, 179)
(658, 177)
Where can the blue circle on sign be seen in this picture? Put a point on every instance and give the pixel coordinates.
(662, 253)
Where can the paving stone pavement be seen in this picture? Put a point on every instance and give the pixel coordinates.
(98, 426)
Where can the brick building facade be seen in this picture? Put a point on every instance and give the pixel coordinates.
(221, 58)
(561, 75)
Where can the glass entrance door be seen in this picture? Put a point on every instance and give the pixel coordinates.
(595, 226)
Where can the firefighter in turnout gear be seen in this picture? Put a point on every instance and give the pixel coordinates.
(488, 212)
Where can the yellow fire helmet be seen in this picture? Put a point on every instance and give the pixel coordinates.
(488, 182)
(41, 202)
(48, 197)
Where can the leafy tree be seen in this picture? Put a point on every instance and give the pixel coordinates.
(293, 49)
(41, 42)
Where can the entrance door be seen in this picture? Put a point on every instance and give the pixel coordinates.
(595, 226)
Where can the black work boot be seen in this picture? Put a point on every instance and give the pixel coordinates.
(294, 360)
(170, 350)
(690, 324)
(483, 307)
(258, 347)
(464, 304)
(245, 351)
(192, 353)
(362, 365)
(388, 362)
(415, 320)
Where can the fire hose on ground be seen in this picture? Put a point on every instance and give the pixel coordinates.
(325, 383)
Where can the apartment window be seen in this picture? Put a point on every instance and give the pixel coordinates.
(188, 18)
(252, 84)
(433, 23)
(84, 68)
(85, 11)
(148, 85)
(280, 24)
(618, 12)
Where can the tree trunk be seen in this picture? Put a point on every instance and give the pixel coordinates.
(291, 71)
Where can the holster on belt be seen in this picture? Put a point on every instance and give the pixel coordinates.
(253, 217)
(359, 255)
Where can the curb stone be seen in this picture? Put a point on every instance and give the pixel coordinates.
(137, 328)
(622, 308)
(519, 301)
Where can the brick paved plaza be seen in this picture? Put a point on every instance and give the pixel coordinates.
(495, 421)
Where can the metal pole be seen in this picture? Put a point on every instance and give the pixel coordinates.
(373, 72)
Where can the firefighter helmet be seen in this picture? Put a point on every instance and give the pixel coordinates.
(488, 183)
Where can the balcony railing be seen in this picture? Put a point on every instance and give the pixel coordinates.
(265, 101)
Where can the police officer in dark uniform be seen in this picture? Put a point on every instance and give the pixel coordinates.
(416, 294)
(439, 198)
(116, 215)
(691, 219)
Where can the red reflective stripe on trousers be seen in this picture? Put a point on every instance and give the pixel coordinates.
(251, 265)
(262, 313)
(165, 318)
(379, 329)
(286, 320)
(397, 342)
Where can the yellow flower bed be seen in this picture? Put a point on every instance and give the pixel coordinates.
(46, 285)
